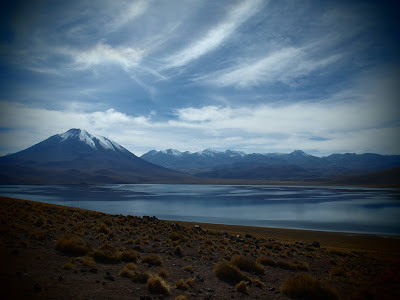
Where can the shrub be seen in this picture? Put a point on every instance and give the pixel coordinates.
(152, 259)
(190, 282)
(129, 255)
(181, 297)
(107, 253)
(241, 287)
(86, 260)
(163, 273)
(178, 251)
(266, 261)
(157, 285)
(175, 236)
(71, 244)
(103, 229)
(283, 264)
(258, 283)
(247, 264)
(141, 277)
(128, 271)
(296, 265)
(229, 273)
(180, 284)
(305, 286)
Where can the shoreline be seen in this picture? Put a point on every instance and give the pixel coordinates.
(53, 251)
(345, 240)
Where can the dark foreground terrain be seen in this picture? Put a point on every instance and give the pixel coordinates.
(55, 252)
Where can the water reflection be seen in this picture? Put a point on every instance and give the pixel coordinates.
(318, 208)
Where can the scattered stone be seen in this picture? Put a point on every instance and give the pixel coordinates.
(257, 246)
(198, 278)
(60, 278)
(93, 270)
(271, 240)
(248, 236)
(109, 277)
(271, 289)
(315, 244)
(103, 283)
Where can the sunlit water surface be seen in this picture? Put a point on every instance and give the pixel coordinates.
(344, 209)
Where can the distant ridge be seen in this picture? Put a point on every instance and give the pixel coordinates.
(78, 157)
(296, 165)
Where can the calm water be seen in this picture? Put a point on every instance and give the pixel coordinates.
(317, 208)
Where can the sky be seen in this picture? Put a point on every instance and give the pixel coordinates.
(254, 76)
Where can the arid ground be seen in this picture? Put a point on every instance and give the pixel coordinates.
(55, 252)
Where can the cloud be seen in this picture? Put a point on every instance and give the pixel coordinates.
(284, 65)
(102, 54)
(215, 36)
(127, 14)
(321, 128)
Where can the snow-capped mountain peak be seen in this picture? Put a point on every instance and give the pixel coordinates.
(299, 153)
(172, 152)
(94, 141)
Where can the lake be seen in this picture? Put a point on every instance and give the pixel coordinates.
(345, 209)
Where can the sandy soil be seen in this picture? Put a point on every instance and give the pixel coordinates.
(55, 252)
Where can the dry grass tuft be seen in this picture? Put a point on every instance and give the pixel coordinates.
(241, 287)
(163, 273)
(157, 285)
(107, 253)
(229, 273)
(129, 255)
(152, 260)
(181, 297)
(247, 264)
(180, 284)
(258, 283)
(266, 261)
(305, 286)
(72, 244)
(129, 271)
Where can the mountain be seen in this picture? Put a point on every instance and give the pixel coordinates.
(78, 157)
(192, 163)
(296, 165)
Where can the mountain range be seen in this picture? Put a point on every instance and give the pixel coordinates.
(296, 165)
(78, 157)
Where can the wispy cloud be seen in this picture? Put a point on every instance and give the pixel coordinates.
(328, 127)
(102, 54)
(284, 65)
(127, 14)
(215, 36)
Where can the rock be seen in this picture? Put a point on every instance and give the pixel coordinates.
(60, 278)
(109, 277)
(315, 244)
(257, 246)
(93, 270)
(271, 240)
(248, 236)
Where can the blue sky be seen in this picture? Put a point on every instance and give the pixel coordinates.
(255, 76)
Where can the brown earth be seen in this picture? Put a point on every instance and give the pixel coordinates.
(56, 252)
